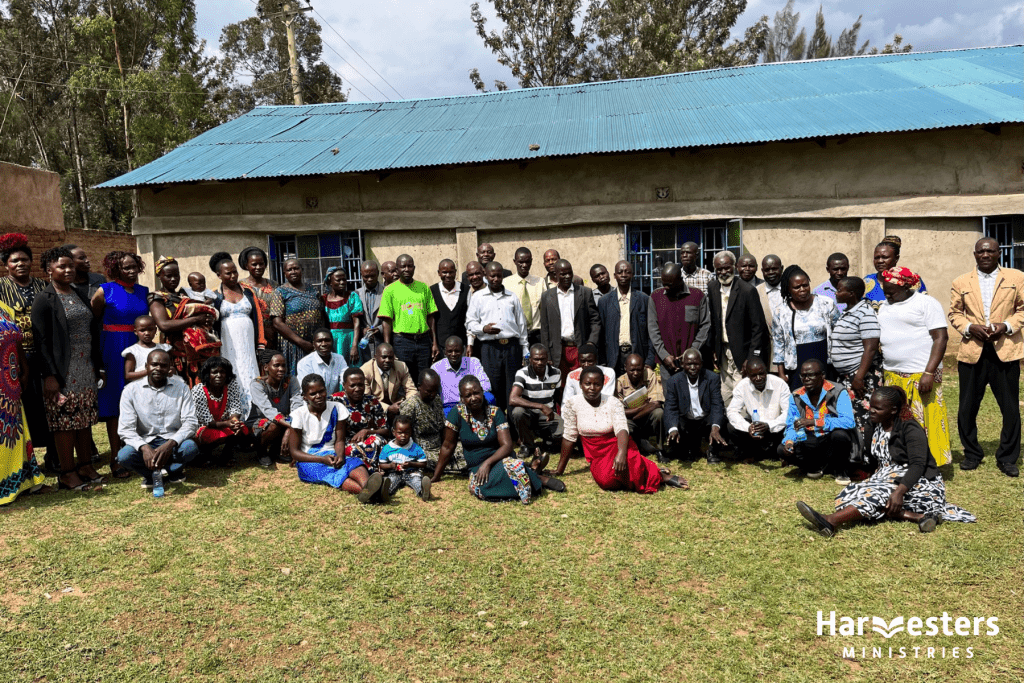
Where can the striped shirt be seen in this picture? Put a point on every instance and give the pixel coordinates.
(855, 325)
(537, 389)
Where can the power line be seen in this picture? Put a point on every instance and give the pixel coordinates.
(359, 55)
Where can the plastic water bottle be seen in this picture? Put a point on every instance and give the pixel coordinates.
(158, 484)
(756, 415)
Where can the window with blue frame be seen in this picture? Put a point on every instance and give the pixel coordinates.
(649, 246)
(1009, 232)
(317, 253)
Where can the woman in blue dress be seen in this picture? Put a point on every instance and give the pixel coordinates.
(118, 303)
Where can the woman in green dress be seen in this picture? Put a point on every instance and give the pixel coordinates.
(483, 431)
(344, 315)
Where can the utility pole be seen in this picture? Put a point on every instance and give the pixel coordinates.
(288, 13)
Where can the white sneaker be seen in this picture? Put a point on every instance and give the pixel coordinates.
(842, 479)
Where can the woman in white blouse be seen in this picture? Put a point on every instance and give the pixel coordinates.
(600, 421)
(801, 326)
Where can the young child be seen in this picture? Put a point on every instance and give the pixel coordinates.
(403, 460)
(135, 355)
(197, 288)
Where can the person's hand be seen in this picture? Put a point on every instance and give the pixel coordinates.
(359, 436)
(620, 465)
(468, 351)
(857, 384)
(803, 423)
(998, 330)
(354, 351)
(716, 436)
(284, 449)
(671, 363)
(673, 437)
(979, 332)
(163, 453)
(788, 447)
(482, 474)
(149, 456)
(547, 412)
(895, 503)
(435, 352)
(924, 385)
(758, 429)
(306, 346)
(394, 408)
(51, 387)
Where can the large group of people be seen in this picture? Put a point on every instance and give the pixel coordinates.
(396, 384)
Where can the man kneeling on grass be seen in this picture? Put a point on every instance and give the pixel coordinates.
(817, 436)
(317, 443)
(157, 424)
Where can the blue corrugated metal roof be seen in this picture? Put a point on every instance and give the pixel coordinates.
(763, 103)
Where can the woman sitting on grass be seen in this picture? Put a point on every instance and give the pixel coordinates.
(274, 395)
(366, 424)
(317, 444)
(483, 432)
(907, 486)
(219, 409)
(615, 462)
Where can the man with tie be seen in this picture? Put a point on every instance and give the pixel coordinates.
(568, 319)
(529, 289)
(496, 320)
(623, 313)
(694, 409)
(987, 308)
(388, 379)
(451, 299)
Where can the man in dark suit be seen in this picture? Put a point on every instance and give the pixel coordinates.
(737, 322)
(621, 338)
(694, 409)
(568, 320)
(450, 296)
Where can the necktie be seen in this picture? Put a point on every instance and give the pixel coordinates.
(524, 298)
(384, 385)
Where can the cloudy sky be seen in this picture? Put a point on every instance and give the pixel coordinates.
(425, 48)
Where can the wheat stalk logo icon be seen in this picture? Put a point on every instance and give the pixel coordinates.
(879, 625)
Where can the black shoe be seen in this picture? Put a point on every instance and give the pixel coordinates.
(176, 478)
(714, 459)
(385, 491)
(663, 458)
(373, 485)
(968, 465)
(266, 462)
(425, 489)
(818, 521)
(1009, 470)
(553, 484)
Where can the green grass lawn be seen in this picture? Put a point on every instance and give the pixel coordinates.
(250, 575)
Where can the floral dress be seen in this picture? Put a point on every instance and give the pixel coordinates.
(872, 495)
(303, 311)
(18, 469)
(367, 414)
(798, 336)
(428, 432)
(510, 479)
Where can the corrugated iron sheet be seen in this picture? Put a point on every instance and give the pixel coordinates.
(764, 103)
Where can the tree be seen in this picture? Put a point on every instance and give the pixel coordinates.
(895, 47)
(785, 44)
(255, 68)
(650, 37)
(543, 42)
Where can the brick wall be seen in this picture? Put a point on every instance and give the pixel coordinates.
(97, 244)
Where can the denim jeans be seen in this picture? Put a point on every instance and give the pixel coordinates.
(184, 453)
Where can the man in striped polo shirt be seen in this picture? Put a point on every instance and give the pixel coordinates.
(532, 406)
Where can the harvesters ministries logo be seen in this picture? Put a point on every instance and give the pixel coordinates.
(925, 627)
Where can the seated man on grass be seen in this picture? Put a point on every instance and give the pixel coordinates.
(532, 407)
(817, 436)
(640, 391)
(757, 412)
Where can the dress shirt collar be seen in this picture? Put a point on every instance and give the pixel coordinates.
(989, 276)
(568, 292)
(454, 290)
(623, 297)
(448, 366)
(490, 292)
(772, 288)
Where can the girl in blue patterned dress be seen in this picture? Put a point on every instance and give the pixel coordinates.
(118, 303)
(317, 442)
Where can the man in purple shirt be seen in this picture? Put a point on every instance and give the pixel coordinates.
(453, 367)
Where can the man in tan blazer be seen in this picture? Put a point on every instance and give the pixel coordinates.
(987, 308)
(388, 379)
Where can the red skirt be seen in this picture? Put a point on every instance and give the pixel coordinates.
(642, 475)
(207, 436)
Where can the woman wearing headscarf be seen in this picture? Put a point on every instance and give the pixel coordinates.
(886, 256)
(254, 261)
(117, 304)
(175, 316)
(240, 326)
(344, 314)
(18, 291)
(913, 340)
(801, 327)
(296, 314)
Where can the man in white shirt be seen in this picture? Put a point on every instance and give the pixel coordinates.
(757, 412)
(157, 423)
(693, 409)
(323, 361)
(495, 319)
(588, 356)
(528, 288)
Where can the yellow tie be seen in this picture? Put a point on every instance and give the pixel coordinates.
(527, 306)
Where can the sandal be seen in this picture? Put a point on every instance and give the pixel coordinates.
(928, 522)
(120, 472)
(98, 479)
(539, 463)
(677, 483)
(81, 488)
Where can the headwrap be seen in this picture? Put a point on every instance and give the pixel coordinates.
(330, 271)
(162, 263)
(904, 277)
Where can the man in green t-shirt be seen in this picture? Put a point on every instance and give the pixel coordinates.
(407, 315)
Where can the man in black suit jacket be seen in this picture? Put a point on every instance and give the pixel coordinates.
(584, 328)
(744, 333)
(686, 421)
(452, 303)
(616, 342)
